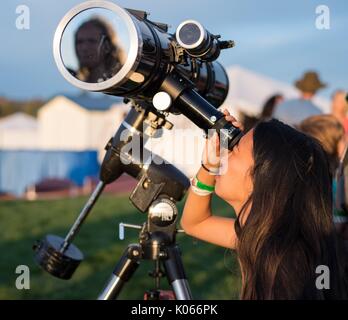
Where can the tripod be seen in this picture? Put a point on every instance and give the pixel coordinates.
(159, 186)
(156, 243)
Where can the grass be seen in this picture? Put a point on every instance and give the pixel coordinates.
(212, 271)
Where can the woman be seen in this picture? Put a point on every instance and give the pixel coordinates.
(279, 184)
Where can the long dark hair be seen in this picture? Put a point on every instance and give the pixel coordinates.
(289, 231)
(269, 106)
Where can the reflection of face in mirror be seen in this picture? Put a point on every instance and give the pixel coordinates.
(97, 50)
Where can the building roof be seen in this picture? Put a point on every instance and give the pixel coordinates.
(18, 121)
(94, 101)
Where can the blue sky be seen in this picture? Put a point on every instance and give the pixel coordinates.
(275, 38)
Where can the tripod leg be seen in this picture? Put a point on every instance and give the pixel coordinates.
(124, 270)
(176, 273)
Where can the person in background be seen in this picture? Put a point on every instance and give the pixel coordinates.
(266, 112)
(270, 105)
(339, 108)
(294, 111)
(330, 133)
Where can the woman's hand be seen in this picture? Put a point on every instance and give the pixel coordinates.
(211, 153)
(197, 219)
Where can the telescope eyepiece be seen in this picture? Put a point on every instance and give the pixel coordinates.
(191, 35)
(197, 41)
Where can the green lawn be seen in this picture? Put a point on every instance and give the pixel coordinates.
(212, 271)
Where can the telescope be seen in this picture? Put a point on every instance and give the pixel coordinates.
(101, 47)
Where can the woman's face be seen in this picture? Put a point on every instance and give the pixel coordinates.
(234, 185)
(88, 46)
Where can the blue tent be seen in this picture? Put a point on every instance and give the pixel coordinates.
(22, 168)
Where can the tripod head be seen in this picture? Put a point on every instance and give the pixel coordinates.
(126, 154)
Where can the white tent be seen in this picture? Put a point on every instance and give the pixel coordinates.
(86, 122)
(18, 131)
(65, 124)
(249, 90)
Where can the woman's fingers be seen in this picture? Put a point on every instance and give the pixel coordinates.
(232, 119)
(234, 122)
(216, 140)
(211, 153)
(226, 112)
(229, 117)
(212, 148)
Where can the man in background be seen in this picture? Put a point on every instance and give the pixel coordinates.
(294, 111)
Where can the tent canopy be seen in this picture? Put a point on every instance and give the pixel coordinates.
(248, 91)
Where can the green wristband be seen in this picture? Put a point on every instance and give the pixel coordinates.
(204, 186)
